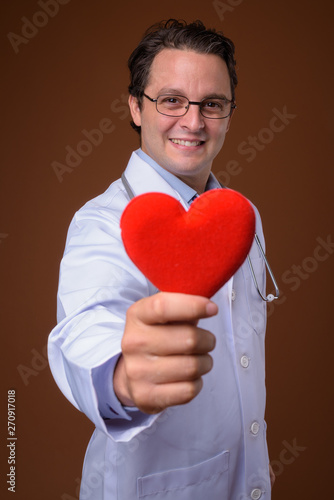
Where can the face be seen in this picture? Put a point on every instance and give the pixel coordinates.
(187, 145)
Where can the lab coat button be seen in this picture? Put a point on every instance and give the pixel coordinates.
(256, 494)
(233, 295)
(244, 361)
(255, 427)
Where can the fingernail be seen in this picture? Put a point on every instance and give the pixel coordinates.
(211, 308)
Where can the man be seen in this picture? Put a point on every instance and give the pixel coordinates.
(174, 383)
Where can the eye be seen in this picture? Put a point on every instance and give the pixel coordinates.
(171, 100)
(214, 104)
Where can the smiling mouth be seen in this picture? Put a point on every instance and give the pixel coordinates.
(181, 142)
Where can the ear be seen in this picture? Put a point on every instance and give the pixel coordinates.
(134, 110)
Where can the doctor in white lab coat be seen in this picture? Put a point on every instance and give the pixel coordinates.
(150, 441)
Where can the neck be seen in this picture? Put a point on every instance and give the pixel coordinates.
(197, 184)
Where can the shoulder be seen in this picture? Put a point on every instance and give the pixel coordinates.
(109, 204)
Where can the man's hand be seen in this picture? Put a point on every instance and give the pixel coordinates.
(164, 353)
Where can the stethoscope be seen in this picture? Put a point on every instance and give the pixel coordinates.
(267, 298)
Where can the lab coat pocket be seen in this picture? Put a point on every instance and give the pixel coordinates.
(208, 479)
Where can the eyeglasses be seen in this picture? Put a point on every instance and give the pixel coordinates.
(178, 105)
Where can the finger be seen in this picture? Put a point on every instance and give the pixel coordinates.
(165, 395)
(169, 369)
(164, 340)
(168, 307)
(180, 339)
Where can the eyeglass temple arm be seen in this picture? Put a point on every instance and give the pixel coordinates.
(270, 297)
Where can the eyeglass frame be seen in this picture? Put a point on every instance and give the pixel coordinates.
(196, 103)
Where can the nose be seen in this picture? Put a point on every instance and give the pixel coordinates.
(192, 120)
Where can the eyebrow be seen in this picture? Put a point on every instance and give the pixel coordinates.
(168, 90)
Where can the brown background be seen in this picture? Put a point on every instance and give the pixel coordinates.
(69, 76)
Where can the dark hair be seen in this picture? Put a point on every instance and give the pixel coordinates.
(177, 34)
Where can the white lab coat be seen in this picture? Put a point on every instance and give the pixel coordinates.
(212, 448)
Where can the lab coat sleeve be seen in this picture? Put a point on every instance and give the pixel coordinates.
(97, 284)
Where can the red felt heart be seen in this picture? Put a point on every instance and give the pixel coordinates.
(194, 251)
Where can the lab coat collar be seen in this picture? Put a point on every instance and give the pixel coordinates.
(144, 179)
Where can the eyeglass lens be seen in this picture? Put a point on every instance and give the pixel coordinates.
(175, 105)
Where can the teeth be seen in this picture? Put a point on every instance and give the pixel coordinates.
(186, 143)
